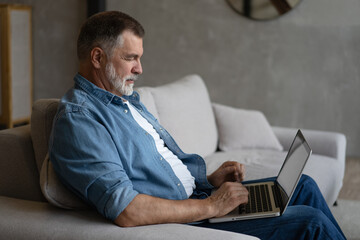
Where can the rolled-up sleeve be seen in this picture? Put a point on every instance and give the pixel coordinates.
(86, 159)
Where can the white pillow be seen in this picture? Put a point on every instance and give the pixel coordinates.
(244, 129)
(185, 111)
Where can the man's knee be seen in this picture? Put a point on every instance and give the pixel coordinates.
(307, 179)
(308, 182)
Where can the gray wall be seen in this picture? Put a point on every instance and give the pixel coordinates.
(301, 70)
(55, 26)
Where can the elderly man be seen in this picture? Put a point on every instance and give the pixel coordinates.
(110, 151)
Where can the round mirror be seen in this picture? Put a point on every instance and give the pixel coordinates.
(263, 9)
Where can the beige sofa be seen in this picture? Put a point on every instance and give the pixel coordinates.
(216, 132)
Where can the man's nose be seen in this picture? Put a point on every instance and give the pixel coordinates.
(137, 69)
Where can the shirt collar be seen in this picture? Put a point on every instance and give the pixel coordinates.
(104, 96)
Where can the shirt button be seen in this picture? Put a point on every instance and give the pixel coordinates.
(179, 184)
(125, 111)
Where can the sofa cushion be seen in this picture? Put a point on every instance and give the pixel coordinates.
(244, 129)
(185, 111)
(55, 192)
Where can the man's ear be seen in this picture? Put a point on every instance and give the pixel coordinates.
(97, 56)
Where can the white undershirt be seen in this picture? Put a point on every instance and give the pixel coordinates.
(180, 169)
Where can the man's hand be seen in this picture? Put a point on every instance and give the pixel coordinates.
(229, 171)
(231, 192)
(229, 196)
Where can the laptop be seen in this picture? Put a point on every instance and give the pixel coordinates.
(270, 199)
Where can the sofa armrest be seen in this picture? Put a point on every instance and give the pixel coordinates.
(19, 177)
(325, 143)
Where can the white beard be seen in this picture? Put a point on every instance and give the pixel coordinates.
(118, 83)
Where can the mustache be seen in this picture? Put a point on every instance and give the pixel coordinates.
(131, 77)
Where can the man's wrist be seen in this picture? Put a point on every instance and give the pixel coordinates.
(209, 179)
(211, 209)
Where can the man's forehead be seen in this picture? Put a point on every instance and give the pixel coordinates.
(131, 43)
(129, 37)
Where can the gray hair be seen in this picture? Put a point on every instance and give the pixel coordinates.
(104, 30)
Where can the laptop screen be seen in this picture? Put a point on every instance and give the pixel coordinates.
(293, 166)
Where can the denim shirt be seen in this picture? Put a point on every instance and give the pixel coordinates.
(100, 152)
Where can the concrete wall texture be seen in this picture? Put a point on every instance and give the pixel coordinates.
(301, 70)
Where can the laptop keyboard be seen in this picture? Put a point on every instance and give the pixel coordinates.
(276, 193)
(259, 200)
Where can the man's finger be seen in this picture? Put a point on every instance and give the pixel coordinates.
(242, 171)
(238, 172)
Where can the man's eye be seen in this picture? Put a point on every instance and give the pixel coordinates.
(128, 58)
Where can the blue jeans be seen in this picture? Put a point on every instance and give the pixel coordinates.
(307, 217)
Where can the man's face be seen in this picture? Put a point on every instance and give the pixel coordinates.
(124, 66)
